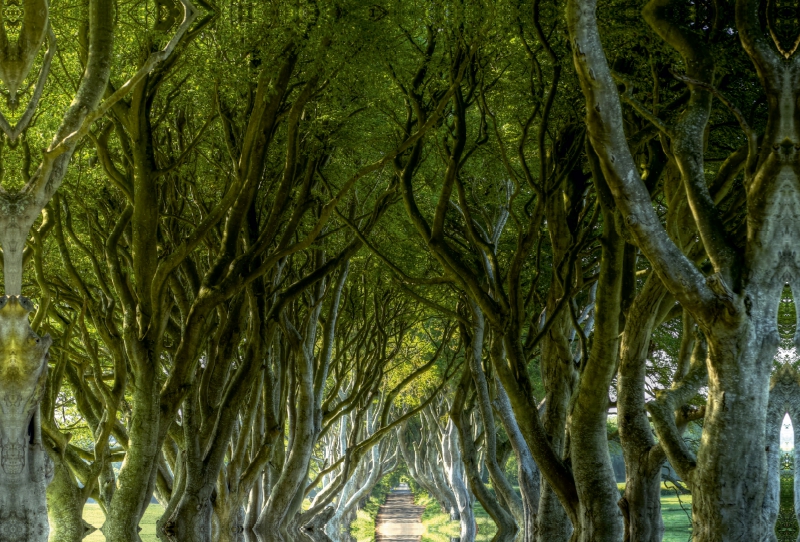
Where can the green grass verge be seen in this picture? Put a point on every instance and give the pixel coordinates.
(439, 528)
(94, 515)
(677, 522)
(667, 488)
(363, 528)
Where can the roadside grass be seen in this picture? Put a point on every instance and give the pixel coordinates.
(667, 488)
(94, 516)
(363, 527)
(439, 528)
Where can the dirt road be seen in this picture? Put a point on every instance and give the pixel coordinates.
(399, 519)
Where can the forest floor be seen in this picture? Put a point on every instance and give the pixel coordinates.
(399, 518)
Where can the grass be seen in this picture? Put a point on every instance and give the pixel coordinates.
(363, 527)
(94, 515)
(667, 488)
(439, 528)
(677, 525)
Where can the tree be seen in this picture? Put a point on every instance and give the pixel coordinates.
(735, 306)
(278, 250)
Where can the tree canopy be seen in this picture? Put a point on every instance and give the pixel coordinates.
(276, 252)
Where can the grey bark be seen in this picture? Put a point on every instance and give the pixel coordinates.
(529, 476)
(286, 495)
(641, 502)
(559, 379)
(737, 306)
(65, 504)
(506, 526)
(435, 461)
(25, 467)
(454, 468)
(499, 481)
(600, 516)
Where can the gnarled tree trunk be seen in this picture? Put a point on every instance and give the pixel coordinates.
(736, 307)
(25, 467)
(65, 504)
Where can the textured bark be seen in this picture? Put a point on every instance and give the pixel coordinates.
(231, 523)
(286, 496)
(600, 516)
(454, 469)
(736, 307)
(641, 502)
(506, 526)
(558, 369)
(65, 504)
(559, 379)
(435, 462)
(372, 467)
(315, 528)
(25, 467)
(496, 470)
(137, 475)
(528, 471)
(254, 503)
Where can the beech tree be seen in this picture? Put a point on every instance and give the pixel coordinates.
(260, 256)
(736, 304)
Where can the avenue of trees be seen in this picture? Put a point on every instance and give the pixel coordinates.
(259, 255)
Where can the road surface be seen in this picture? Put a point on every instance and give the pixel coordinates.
(399, 519)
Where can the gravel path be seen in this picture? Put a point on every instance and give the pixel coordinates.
(399, 519)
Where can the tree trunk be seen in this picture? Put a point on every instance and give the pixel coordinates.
(137, 475)
(558, 377)
(503, 488)
(641, 502)
(65, 504)
(600, 516)
(231, 523)
(736, 307)
(25, 468)
(454, 468)
(254, 504)
(282, 503)
(726, 501)
(314, 529)
(191, 519)
(529, 476)
(506, 526)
